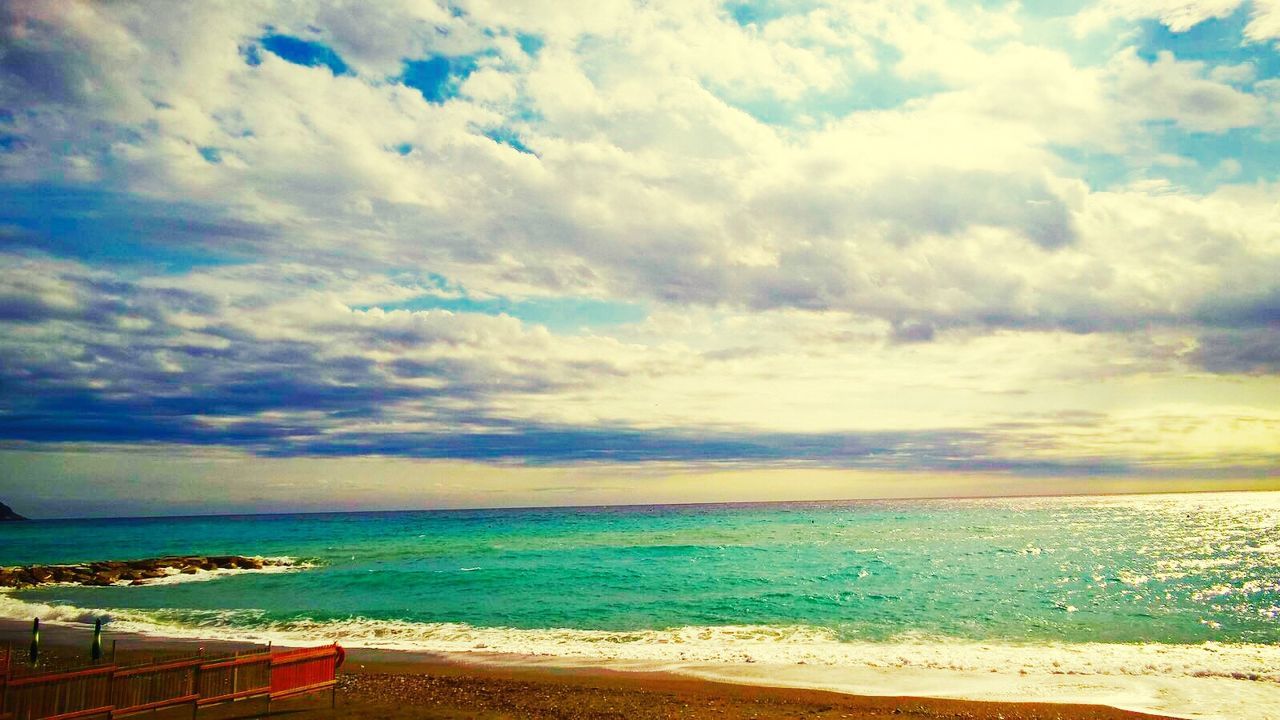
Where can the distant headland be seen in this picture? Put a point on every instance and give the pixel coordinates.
(7, 514)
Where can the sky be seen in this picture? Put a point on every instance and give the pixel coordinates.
(273, 256)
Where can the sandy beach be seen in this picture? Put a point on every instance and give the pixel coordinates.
(395, 684)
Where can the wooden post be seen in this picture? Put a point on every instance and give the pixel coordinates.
(195, 689)
(35, 641)
(95, 650)
(113, 651)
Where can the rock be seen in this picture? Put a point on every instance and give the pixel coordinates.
(134, 572)
(63, 573)
(8, 515)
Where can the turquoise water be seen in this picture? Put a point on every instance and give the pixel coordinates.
(1143, 569)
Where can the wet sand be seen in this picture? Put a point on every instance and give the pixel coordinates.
(394, 685)
(450, 690)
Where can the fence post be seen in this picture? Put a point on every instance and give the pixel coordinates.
(4, 691)
(111, 690)
(195, 688)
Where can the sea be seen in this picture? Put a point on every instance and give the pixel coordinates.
(1164, 589)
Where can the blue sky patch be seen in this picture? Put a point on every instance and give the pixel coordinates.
(108, 228)
(437, 78)
(252, 55)
(305, 52)
(763, 11)
(530, 44)
(1257, 158)
(508, 137)
(1214, 42)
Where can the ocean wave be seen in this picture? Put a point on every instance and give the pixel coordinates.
(720, 644)
(15, 609)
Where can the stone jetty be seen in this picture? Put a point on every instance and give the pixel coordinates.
(131, 572)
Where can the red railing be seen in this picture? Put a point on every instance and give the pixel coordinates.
(297, 672)
(60, 696)
(111, 691)
(4, 682)
(234, 679)
(152, 687)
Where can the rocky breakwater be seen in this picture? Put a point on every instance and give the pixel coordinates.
(130, 572)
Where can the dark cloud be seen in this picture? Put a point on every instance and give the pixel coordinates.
(1249, 351)
(88, 356)
(911, 332)
(1241, 311)
(40, 64)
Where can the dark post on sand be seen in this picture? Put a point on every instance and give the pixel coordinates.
(95, 650)
(35, 641)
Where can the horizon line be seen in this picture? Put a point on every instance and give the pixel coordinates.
(653, 505)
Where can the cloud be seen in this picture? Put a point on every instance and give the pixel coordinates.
(1177, 90)
(1181, 16)
(860, 235)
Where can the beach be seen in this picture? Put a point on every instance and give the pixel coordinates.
(402, 684)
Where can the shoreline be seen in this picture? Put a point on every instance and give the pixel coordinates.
(393, 684)
(1089, 674)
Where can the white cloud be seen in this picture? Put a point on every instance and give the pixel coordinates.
(1178, 15)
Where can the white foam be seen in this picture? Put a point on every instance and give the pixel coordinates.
(1195, 681)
